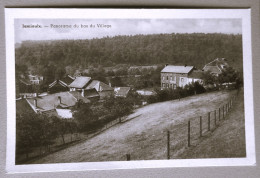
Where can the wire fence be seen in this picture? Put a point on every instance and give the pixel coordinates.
(188, 133)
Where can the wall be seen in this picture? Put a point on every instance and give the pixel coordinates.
(174, 79)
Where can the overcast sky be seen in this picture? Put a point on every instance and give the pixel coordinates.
(120, 27)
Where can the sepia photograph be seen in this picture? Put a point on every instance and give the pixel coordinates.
(122, 89)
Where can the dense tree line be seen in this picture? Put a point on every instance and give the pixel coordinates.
(193, 49)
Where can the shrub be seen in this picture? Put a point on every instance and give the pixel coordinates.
(171, 94)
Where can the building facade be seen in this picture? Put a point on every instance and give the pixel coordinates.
(179, 76)
(175, 76)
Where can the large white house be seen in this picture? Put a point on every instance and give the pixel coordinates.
(178, 76)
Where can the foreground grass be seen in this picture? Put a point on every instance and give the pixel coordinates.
(227, 140)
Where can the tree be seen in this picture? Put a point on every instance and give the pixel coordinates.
(59, 73)
(48, 130)
(208, 78)
(28, 132)
(33, 130)
(228, 75)
(116, 81)
(132, 50)
(84, 117)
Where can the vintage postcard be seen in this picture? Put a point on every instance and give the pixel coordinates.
(95, 89)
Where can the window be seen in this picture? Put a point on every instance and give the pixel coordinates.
(163, 85)
(182, 79)
(163, 78)
(167, 85)
(174, 86)
(167, 78)
(171, 78)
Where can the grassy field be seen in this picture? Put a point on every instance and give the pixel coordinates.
(144, 137)
(227, 140)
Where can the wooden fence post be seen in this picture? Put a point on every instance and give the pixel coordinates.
(218, 114)
(215, 112)
(128, 157)
(209, 121)
(226, 108)
(188, 133)
(200, 126)
(223, 112)
(168, 144)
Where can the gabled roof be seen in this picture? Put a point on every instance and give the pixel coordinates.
(212, 69)
(177, 69)
(216, 66)
(99, 86)
(80, 82)
(57, 82)
(218, 62)
(50, 102)
(63, 82)
(121, 91)
(68, 79)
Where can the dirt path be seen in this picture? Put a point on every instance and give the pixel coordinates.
(144, 136)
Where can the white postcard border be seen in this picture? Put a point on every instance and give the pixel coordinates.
(14, 13)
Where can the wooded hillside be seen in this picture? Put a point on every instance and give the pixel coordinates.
(191, 49)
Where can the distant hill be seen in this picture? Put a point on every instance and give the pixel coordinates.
(192, 49)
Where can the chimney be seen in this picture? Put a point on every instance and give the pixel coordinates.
(35, 102)
(166, 65)
(185, 65)
(59, 98)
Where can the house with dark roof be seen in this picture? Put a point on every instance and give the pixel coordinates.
(121, 91)
(178, 76)
(60, 85)
(216, 66)
(90, 94)
(85, 85)
(57, 104)
(103, 89)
